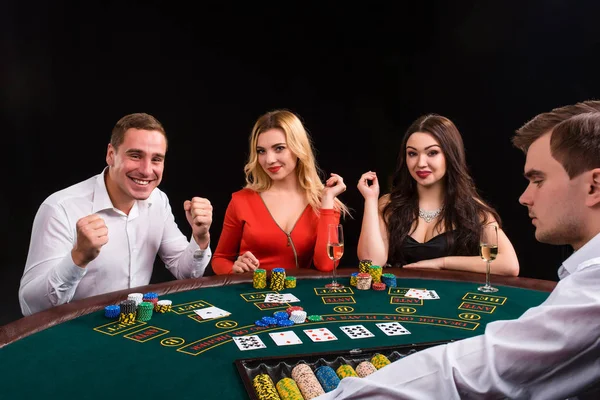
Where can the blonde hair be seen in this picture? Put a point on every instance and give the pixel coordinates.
(300, 145)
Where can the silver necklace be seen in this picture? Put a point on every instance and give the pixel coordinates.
(428, 216)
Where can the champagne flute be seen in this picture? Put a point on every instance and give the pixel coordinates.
(488, 249)
(335, 250)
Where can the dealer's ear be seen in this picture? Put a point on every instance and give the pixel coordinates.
(593, 197)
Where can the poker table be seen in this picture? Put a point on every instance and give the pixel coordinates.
(74, 351)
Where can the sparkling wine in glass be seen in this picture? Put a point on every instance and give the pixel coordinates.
(488, 249)
(335, 251)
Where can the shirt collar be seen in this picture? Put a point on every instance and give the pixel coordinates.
(102, 199)
(575, 261)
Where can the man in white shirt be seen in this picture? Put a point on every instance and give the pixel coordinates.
(552, 351)
(103, 234)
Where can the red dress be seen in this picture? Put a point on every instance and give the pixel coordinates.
(248, 226)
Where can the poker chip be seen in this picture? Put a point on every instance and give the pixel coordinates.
(290, 282)
(288, 389)
(345, 370)
(380, 361)
(281, 315)
(365, 368)
(389, 280)
(353, 278)
(327, 378)
(259, 279)
(285, 322)
(127, 318)
(378, 286)
(269, 320)
(260, 323)
(137, 297)
(315, 318)
(307, 382)
(363, 281)
(144, 311)
(277, 279)
(112, 311)
(298, 316)
(128, 306)
(264, 387)
(293, 308)
(375, 272)
(363, 266)
(163, 306)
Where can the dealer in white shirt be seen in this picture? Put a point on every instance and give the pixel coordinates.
(103, 234)
(552, 351)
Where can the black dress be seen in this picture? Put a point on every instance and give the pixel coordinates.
(436, 247)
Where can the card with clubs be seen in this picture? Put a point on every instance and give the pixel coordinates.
(392, 328)
(285, 338)
(212, 312)
(251, 342)
(280, 298)
(320, 335)
(356, 331)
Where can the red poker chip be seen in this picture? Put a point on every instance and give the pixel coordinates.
(378, 286)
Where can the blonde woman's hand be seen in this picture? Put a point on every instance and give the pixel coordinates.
(334, 186)
(245, 263)
(369, 192)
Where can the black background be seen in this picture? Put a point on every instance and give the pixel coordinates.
(358, 75)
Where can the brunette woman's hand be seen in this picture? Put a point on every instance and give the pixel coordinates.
(368, 185)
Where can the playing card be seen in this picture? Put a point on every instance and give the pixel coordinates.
(211, 312)
(392, 328)
(356, 331)
(432, 295)
(285, 338)
(421, 294)
(251, 342)
(320, 335)
(280, 298)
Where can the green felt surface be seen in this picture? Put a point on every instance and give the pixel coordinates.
(92, 357)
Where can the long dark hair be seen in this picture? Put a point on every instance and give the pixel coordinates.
(463, 211)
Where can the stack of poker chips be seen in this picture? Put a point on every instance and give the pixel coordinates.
(298, 316)
(137, 297)
(150, 297)
(327, 378)
(375, 271)
(128, 308)
(363, 281)
(163, 306)
(307, 381)
(346, 370)
(264, 387)
(389, 280)
(365, 368)
(112, 311)
(280, 318)
(293, 308)
(288, 390)
(363, 266)
(379, 361)
(277, 279)
(290, 282)
(353, 278)
(144, 311)
(378, 286)
(259, 279)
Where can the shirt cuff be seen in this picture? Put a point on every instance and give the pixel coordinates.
(67, 272)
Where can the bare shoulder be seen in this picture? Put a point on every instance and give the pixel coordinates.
(384, 200)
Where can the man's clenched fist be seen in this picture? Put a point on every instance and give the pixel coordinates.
(198, 212)
(92, 234)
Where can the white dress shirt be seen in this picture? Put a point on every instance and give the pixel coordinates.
(51, 278)
(551, 352)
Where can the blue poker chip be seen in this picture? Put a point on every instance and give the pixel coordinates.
(281, 315)
(278, 270)
(150, 295)
(269, 320)
(260, 323)
(354, 274)
(112, 311)
(285, 322)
